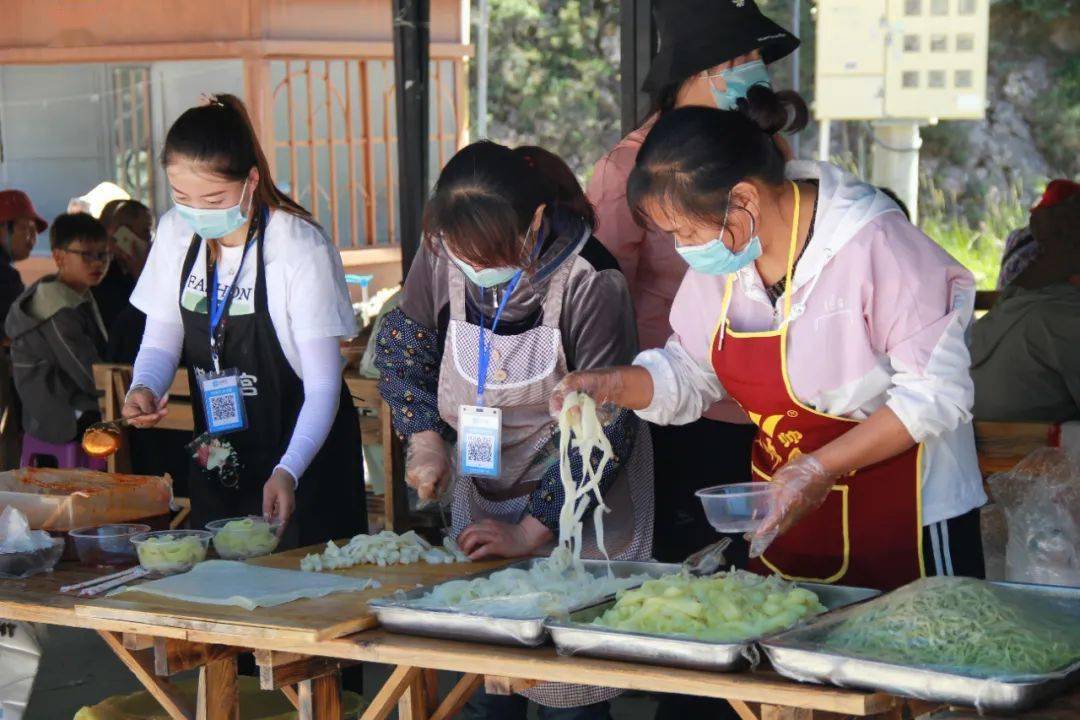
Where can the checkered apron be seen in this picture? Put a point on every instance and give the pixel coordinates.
(524, 370)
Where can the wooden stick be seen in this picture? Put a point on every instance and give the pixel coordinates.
(386, 700)
(175, 656)
(411, 703)
(291, 695)
(459, 695)
(219, 694)
(141, 668)
(742, 710)
(320, 699)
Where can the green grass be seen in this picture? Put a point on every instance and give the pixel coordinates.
(977, 243)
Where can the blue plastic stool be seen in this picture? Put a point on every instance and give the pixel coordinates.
(68, 455)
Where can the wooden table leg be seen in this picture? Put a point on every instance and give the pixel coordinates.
(320, 699)
(219, 693)
(291, 695)
(431, 691)
(141, 666)
(412, 704)
(459, 695)
(387, 698)
(742, 710)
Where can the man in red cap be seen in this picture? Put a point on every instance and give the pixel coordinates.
(19, 228)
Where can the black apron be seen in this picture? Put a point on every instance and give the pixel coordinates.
(330, 500)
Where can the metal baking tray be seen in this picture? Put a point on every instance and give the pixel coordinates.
(576, 637)
(396, 614)
(793, 655)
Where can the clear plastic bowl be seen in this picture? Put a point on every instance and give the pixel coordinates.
(171, 551)
(32, 562)
(240, 543)
(739, 507)
(107, 545)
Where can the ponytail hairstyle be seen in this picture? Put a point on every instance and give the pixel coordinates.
(792, 106)
(694, 156)
(219, 136)
(485, 199)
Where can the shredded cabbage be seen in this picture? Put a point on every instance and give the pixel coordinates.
(245, 538)
(726, 607)
(961, 624)
(384, 548)
(169, 553)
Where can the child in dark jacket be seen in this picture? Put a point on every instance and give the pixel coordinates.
(57, 333)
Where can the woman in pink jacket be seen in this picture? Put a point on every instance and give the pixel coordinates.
(711, 53)
(836, 325)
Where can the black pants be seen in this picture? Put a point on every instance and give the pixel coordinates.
(688, 458)
(516, 707)
(954, 546)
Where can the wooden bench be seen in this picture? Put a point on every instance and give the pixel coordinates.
(113, 382)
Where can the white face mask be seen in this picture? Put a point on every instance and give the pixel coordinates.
(214, 223)
(484, 277)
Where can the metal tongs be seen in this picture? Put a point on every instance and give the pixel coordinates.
(708, 559)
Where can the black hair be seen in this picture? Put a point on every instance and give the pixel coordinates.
(68, 228)
(891, 194)
(128, 210)
(786, 104)
(694, 156)
(108, 210)
(220, 135)
(486, 196)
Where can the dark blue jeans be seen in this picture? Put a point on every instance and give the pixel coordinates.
(515, 707)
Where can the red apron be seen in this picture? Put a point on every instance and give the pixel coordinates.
(869, 530)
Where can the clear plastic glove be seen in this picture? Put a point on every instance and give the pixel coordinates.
(803, 484)
(491, 538)
(604, 386)
(427, 465)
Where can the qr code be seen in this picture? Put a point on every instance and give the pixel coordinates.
(223, 410)
(480, 451)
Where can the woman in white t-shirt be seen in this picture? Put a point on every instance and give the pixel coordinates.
(247, 286)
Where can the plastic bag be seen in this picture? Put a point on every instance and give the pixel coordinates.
(20, 655)
(963, 626)
(1040, 498)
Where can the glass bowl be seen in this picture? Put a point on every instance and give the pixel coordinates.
(241, 538)
(739, 507)
(171, 551)
(107, 545)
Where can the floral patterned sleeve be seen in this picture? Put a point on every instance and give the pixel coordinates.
(408, 362)
(547, 499)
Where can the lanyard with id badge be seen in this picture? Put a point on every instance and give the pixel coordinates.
(480, 427)
(223, 401)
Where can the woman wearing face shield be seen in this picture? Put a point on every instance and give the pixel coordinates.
(711, 53)
(508, 293)
(837, 326)
(250, 289)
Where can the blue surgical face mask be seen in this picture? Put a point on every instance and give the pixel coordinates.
(214, 223)
(714, 257)
(739, 80)
(485, 277)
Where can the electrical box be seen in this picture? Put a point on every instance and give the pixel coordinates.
(901, 59)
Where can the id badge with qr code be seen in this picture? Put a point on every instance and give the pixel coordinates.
(223, 402)
(479, 441)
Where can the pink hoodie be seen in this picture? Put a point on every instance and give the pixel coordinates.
(879, 315)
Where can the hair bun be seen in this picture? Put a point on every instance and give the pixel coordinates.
(773, 111)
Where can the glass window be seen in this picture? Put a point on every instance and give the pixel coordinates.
(939, 7)
(966, 7)
(913, 7)
(912, 43)
(939, 43)
(936, 79)
(963, 79)
(965, 42)
(911, 79)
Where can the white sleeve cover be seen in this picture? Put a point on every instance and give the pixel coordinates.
(159, 355)
(683, 388)
(320, 363)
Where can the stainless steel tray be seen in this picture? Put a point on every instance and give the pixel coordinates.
(576, 637)
(396, 614)
(793, 655)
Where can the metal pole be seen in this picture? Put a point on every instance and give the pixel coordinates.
(411, 46)
(482, 71)
(796, 27)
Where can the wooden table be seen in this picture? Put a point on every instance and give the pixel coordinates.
(301, 654)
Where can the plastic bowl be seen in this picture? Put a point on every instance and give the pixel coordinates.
(107, 545)
(240, 543)
(171, 551)
(25, 564)
(739, 507)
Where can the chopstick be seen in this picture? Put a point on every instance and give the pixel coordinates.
(135, 574)
(104, 579)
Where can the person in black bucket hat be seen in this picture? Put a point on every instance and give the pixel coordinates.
(711, 52)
